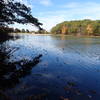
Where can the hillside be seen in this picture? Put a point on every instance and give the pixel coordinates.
(78, 27)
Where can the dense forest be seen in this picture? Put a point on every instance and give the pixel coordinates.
(78, 27)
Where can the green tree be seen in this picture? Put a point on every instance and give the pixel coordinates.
(82, 27)
(27, 31)
(17, 30)
(23, 31)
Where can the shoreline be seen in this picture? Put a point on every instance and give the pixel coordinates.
(57, 35)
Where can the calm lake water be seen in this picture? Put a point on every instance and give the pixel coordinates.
(69, 67)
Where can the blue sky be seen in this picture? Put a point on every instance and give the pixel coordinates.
(52, 12)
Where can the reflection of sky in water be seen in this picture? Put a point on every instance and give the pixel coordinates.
(85, 49)
(64, 59)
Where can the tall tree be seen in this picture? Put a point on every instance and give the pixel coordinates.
(11, 11)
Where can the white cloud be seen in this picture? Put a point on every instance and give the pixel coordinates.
(75, 5)
(76, 11)
(50, 21)
(71, 5)
(42, 2)
(46, 2)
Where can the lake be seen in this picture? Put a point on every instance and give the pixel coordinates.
(68, 70)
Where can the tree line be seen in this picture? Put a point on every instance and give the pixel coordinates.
(12, 30)
(6, 30)
(78, 27)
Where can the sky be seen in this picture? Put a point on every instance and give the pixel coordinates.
(52, 12)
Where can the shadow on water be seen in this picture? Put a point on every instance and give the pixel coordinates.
(8, 36)
(11, 72)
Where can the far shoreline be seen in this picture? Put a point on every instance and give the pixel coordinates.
(38, 34)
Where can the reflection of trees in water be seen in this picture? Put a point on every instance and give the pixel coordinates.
(11, 72)
(8, 36)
